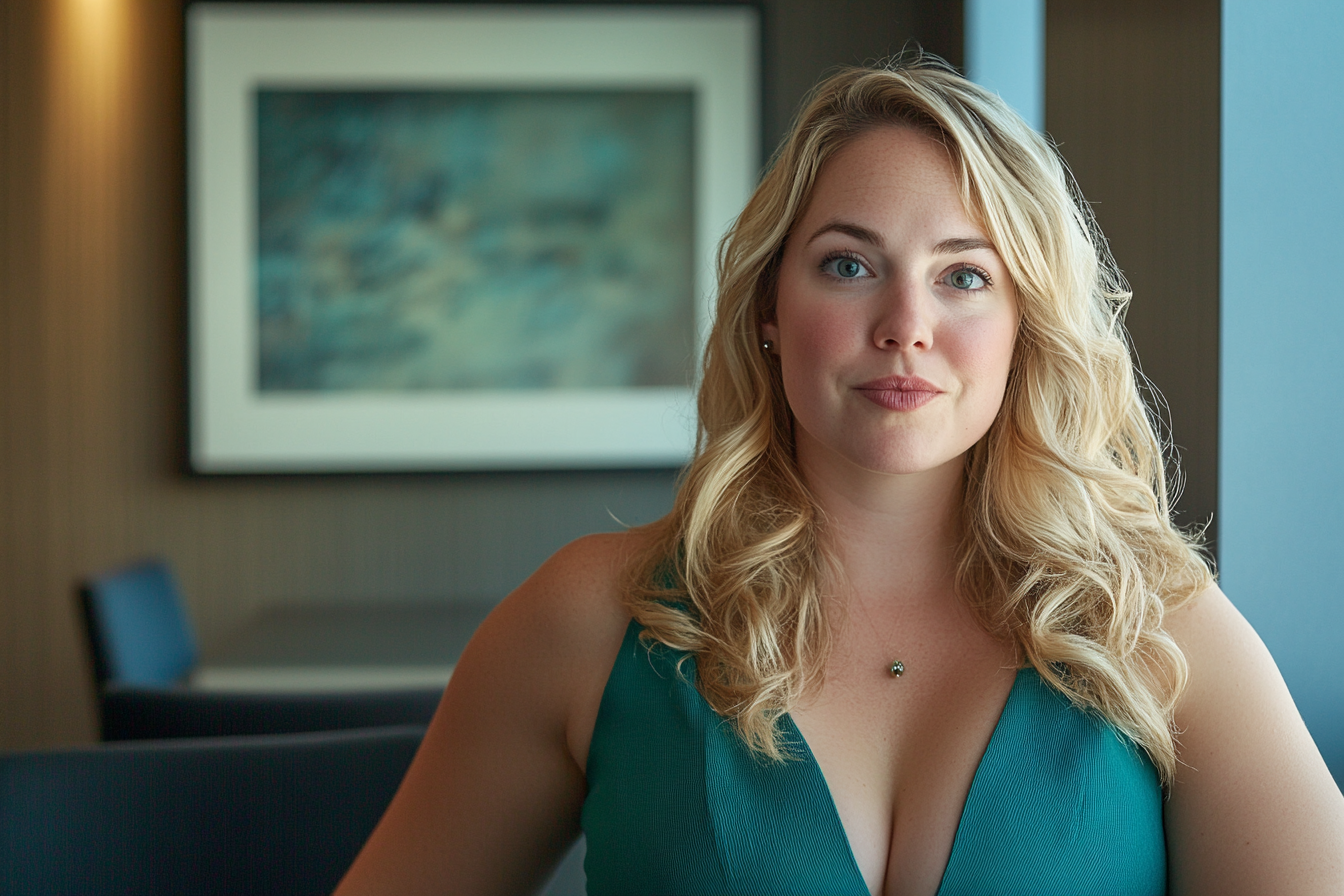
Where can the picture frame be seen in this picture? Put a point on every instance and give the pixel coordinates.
(476, 375)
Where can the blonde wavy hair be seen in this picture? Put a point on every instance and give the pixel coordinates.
(1067, 546)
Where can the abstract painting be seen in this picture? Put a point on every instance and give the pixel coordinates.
(438, 237)
(420, 240)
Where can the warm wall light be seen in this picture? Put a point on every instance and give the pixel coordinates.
(89, 131)
(90, 57)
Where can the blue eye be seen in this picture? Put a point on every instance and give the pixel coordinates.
(968, 279)
(844, 267)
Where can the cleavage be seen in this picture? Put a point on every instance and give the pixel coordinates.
(899, 765)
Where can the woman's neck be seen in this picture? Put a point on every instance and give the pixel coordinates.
(893, 535)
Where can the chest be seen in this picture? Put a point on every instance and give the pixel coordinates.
(677, 804)
(899, 754)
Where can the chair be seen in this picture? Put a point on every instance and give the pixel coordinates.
(144, 649)
(137, 627)
(274, 814)
(131, 713)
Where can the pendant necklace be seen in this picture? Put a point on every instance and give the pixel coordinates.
(897, 668)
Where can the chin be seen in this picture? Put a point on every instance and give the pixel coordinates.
(901, 453)
(906, 462)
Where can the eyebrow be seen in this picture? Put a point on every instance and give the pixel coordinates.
(950, 246)
(963, 244)
(855, 230)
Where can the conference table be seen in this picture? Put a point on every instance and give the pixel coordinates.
(342, 647)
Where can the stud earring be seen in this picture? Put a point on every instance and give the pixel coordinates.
(767, 345)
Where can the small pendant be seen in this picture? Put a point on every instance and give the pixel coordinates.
(897, 668)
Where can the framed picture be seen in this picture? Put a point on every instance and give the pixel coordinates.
(444, 237)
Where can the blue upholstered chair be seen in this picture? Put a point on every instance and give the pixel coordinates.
(138, 628)
(143, 650)
(274, 814)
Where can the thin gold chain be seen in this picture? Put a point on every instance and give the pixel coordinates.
(897, 668)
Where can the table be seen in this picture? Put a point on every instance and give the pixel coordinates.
(342, 647)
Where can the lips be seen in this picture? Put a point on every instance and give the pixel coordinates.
(899, 393)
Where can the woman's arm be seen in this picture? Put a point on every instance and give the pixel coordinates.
(491, 801)
(1254, 808)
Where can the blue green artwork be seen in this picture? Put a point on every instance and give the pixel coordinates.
(474, 239)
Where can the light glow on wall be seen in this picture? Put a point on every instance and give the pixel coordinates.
(89, 60)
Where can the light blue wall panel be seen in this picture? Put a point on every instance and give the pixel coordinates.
(1005, 51)
(1281, 495)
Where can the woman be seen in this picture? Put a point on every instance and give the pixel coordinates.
(919, 621)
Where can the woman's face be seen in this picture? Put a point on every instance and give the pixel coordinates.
(895, 318)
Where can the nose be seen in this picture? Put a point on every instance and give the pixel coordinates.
(904, 318)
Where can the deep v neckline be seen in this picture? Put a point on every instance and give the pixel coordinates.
(1061, 801)
(991, 750)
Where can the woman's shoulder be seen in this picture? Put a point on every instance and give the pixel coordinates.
(497, 786)
(1254, 807)
(1210, 632)
(582, 585)
(565, 624)
(1230, 668)
(1232, 680)
(572, 603)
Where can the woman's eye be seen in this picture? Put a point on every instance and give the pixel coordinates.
(844, 267)
(965, 278)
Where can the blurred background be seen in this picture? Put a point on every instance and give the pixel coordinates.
(93, 307)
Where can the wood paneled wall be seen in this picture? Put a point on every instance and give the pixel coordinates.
(92, 390)
(1132, 97)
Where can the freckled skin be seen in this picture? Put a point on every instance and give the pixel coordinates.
(906, 312)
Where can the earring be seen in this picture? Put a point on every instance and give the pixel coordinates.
(767, 345)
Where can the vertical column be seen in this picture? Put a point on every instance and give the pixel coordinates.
(1281, 498)
(1005, 52)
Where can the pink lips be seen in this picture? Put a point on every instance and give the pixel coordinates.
(899, 393)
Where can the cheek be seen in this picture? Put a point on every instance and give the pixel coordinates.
(983, 351)
(812, 330)
(984, 344)
(816, 340)
(811, 343)
(814, 343)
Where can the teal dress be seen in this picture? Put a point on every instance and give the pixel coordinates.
(1061, 803)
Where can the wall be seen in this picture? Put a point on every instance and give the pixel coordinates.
(1283, 316)
(1005, 52)
(92, 393)
(1132, 100)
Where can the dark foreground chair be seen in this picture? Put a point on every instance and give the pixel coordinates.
(144, 648)
(139, 713)
(283, 814)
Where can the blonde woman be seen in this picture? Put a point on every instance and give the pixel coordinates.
(919, 622)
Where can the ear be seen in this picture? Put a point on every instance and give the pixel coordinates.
(770, 330)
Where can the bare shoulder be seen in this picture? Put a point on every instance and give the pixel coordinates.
(574, 600)
(1254, 808)
(1208, 625)
(564, 625)
(493, 797)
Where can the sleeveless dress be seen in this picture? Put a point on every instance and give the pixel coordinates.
(1060, 803)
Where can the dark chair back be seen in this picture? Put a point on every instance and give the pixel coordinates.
(138, 629)
(283, 814)
(137, 713)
